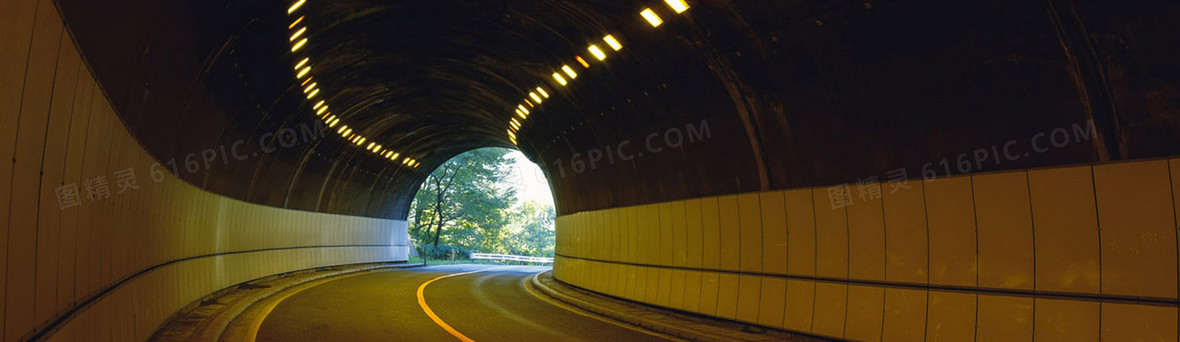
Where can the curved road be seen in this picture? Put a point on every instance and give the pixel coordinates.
(491, 304)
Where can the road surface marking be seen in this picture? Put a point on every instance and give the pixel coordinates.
(435, 318)
(579, 311)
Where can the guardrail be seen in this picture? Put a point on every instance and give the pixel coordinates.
(505, 257)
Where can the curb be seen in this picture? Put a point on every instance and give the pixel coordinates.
(650, 324)
(213, 326)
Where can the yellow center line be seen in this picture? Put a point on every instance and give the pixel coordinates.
(435, 318)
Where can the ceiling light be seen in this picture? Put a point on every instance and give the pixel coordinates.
(614, 44)
(651, 17)
(594, 50)
(317, 105)
(313, 94)
(302, 63)
(583, 62)
(522, 114)
(296, 22)
(560, 80)
(322, 110)
(309, 88)
(543, 93)
(303, 72)
(295, 6)
(299, 45)
(306, 81)
(535, 97)
(521, 108)
(677, 5)
(569, 71)
(298, 33)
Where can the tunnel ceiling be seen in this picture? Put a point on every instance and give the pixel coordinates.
(793, 93)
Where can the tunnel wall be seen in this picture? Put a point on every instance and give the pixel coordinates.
(1072, 254)
(115, 265)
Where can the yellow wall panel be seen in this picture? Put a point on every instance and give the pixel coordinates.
(951, 316)
(750, 221)
(800, 232)
(905, 233)
(676, 297)
(710, 285)
(664, 289)
(1004, 218)
(771, 301)
(1131, 322)
(950, 216)
(1004, 318)
(679, 235)
(692, 291)
(749, 298)
(865, 306)
(694, 243)
(831, 304)
(651, 294)
(727, 296)
(904, 315)
(1137, 228)
(1066, 228)
(730, 233)
(666, 238)
(866, 240)
(800, 305)
(1066, 320)
(710, 234)
(831, 236)
(774, 232)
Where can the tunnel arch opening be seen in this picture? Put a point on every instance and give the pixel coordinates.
(485, 200)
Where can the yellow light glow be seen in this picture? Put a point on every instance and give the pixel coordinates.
(302, 63)
(569, 71)
(614, 43)
(583, 62)
(295, 6)
(522, 114)
(303, 72)
(318, 105)
(395, 155)
(298, 33)
(309, 88)
(527, 102)
(332, 123)
(594, 50)
(361, 141)
(677, 5)
(535, 97)
(542, 91)
(313, 94)
(342, 129)
(306, 81)
(322, 110)
(521, 108)
(299, 45)
(560, 80)
(296, 22)
(651, 17)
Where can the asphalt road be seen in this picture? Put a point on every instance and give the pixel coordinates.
(490, 305)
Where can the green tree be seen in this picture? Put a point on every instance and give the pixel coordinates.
(531, 232)
(461, 204)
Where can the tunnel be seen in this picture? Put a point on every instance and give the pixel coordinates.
(856, 170)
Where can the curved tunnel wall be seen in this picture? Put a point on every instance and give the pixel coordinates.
(1070, 254)
(115, 264)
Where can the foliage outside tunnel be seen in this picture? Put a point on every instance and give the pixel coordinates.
(470, 205)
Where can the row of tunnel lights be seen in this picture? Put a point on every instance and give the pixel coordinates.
(311, 89)
(539, 96)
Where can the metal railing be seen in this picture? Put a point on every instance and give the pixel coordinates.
(505, 257)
